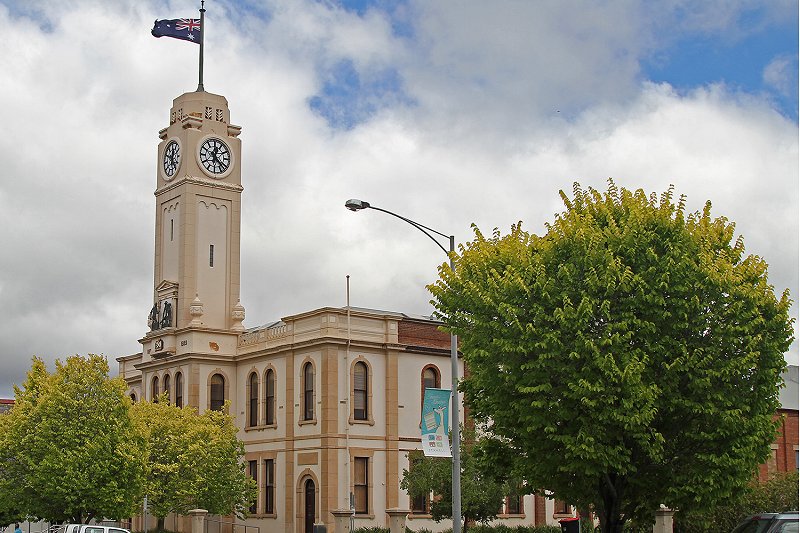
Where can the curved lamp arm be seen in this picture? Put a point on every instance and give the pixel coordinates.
(357, 205)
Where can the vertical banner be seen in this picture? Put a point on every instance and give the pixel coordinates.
(435, 423)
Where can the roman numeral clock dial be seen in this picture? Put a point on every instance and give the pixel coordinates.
(215, 157)
(171, 160)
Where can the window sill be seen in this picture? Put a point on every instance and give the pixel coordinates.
(512, 515)
(419, 516)
(312, 422)
(367, 516)
(262, 515)
(355, 422)
(261, 427)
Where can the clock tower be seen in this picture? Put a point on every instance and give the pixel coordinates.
(197, 234)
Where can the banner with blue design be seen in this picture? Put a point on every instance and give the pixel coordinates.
(435, 423)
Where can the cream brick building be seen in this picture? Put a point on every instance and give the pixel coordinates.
(328, 401)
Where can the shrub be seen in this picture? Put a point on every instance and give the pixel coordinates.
(778, 494)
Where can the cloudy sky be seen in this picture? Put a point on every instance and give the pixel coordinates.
(448, 112)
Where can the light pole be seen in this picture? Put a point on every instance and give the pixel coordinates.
(358, 205)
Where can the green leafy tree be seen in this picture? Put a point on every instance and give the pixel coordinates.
(69, 450)
(192, 461)
(482, 490)
(9, 503)
(631, 356)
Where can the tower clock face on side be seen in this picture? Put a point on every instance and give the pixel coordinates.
(171, 160)
(215, 157)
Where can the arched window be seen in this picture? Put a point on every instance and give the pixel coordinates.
(217, 392)
(308, 392)
(431, 378)
(167, 391)
(133, 397)
(154, 389)
(360, 399)
(269, 397)
(252, 406)
(179, 389)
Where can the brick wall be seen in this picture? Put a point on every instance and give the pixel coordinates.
(784, 449)
(422, 333)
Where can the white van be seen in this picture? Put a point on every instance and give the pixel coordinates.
(90, 528)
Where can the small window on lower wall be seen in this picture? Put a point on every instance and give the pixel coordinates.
(361, 484)
(514, 505)
(421, 504)
(561, 508)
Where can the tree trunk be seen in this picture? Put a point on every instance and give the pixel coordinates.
(611, 520)
(160, 523)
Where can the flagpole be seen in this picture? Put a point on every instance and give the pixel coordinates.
(202, 31)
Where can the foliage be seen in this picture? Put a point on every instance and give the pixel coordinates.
(479, 528)
(482, 492)
(776, 495)
(10, 511)
(193, 461)
(483, 528)
(68, 447)
(629, 357)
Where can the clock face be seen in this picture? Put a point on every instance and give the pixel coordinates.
(215, 156)
(172, 159)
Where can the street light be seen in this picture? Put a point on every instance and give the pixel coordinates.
(358, 205)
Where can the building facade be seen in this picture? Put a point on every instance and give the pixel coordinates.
(328, 401)
(785, 453)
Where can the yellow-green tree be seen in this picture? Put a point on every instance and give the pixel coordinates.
(630, 356)
(192, 461)
(69, 452)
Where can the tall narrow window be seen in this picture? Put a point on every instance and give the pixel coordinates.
(308, 392)
(217, 392)
(253, 404)
(361, 484)
(211, 255)
(269, 400)
(253, 468)
(171, 229)
(360, 391)
(154, 390)
(419, 504)
(269, 486)
(167, 387)
(179, 389)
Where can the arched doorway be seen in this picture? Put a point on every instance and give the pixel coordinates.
(309, 506)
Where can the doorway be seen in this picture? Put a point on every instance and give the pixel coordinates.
(309, 506)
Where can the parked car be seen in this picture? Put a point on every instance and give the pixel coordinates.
(769, 523)
(90, 528)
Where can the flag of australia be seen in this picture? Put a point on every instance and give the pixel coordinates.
(185, 29)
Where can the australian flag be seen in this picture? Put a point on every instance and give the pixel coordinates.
(185, 29)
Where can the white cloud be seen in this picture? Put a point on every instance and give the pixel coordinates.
(513, 103)
(781, 74)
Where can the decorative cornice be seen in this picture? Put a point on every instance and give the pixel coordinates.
(192, 180)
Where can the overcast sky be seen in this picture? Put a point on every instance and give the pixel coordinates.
(447, 112)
